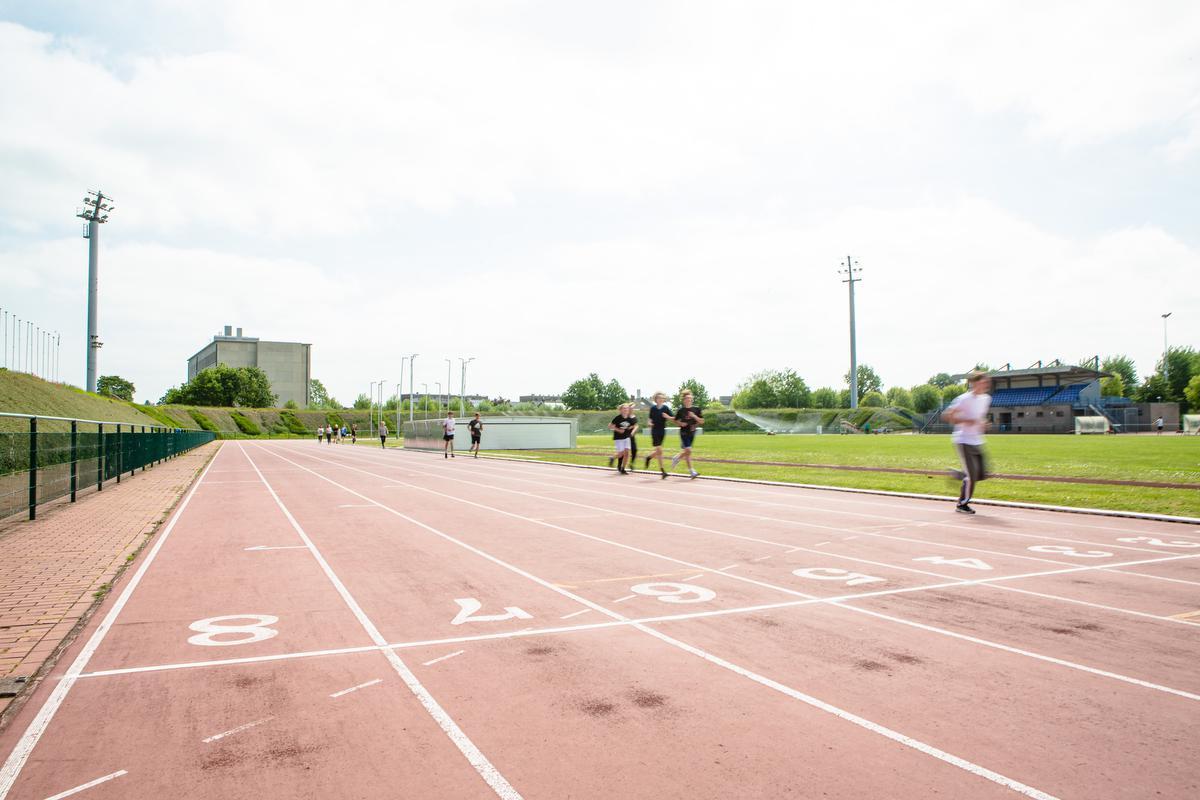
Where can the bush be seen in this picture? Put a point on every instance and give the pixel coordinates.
(245, 424)
(293, 424)
(291, 404)
(952, 391)
(926, 398)
(873, 400)
(204, 422)
(825, 397)
(900, 397)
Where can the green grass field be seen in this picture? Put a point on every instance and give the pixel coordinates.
(1168, 458)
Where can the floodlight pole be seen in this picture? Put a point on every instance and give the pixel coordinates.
(381, 384)
(371, 413)
(1166, 348)
(424, 390)
(96, 207)
(849, 272)
(462, 387)
(400, 389)
(449, 363)
(438, 384)
(412, 387)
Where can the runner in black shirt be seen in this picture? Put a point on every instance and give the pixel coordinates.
(476, 428)
(660, 412)
(688, 418)
(623, 426)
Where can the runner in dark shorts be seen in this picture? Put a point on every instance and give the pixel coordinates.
(688, 419)
(476, 428)
(448, 434)
(660, 413)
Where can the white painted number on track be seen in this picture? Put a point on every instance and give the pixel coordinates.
(1157, 542)
(467, 606)
(247, 633)
(675, 592)
(1063, 550)
(835, 574)
(969, 563)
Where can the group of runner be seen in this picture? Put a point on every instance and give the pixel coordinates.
(625, 428)
(335, 433)
(475, 426)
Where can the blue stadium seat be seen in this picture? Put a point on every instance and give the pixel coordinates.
(1023, 397)
(1068, 394)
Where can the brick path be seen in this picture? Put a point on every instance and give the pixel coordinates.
(51, 567)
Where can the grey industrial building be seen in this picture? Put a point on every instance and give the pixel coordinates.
(288, 365)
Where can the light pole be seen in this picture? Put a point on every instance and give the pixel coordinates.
(449, 363)
(381, 383)
(424, 390)
(462, 387)
(400, 388)
(371, 413)
(849, 272)
(95, 211)
(438, 384)
(412, 387)
(1166, 349)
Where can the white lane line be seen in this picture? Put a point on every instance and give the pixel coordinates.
(848, 538)
(626, 597)
(356, 505)
(356, 688)
(731, 566)
(794, 549)
(873, 727)
(88, 785)
(783, 589)
(431, 662)
(29, 739)
(276, 547)
(238, 729)
(473, 754)
(575, 613)
(693, 577)
(763, 558)
(219, 483)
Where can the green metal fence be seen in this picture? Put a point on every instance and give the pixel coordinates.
(47, 458)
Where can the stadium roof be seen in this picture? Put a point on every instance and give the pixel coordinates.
(1070, 373)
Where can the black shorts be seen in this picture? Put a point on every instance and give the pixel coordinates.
(475, 438)
(449, 437)
(657, 436)
(686, 438)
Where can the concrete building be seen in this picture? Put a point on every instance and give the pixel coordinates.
(288, 365)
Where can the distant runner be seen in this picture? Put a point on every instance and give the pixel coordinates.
(623, 425)
(969, 413)
(688, 419)
(353, 433)
(1158, 423)
(476, 428)
(383, 434)
(660, 413)
(448, 434)
(320, 433)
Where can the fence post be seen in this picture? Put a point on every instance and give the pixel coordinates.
(120, 454)
(74, 458)
(100, 453)
(142, 449)
(33, 465)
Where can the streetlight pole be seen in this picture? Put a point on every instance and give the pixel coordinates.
(1166, 350)
(412, 387)
(400, 388)
(462, 387)
(438, 384)
(449, 363)
(849, 272)
(424, 390)
(371, 412)
(95, 211)
(381, 383)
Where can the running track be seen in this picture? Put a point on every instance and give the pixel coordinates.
(352, 623)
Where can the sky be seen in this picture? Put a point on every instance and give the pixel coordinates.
(650, 191)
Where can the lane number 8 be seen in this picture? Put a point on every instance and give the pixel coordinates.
(247, 633)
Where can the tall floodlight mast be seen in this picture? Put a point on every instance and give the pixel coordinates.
(95, 211)
(462, 387)
(850, 270)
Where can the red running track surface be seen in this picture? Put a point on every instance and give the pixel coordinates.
(335, 622)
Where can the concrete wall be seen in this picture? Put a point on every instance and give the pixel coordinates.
(499, 433)
(288, 365)
(1033, 419)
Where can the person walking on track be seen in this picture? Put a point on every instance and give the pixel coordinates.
(353, 433)
(320, 433)
(688, 418)
(623, 426)
(660, 413)
(448, 434)
(969, 413)
(476, 428)
(383, 434)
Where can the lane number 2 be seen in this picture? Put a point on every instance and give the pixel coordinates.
(969, 563)
(674, 592)
(835, 574)
(246, 633)
(1064, 550)
(1157, 542)
(467, 606)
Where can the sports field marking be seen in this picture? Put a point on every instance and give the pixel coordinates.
(433, 661)
(1186, 615)
(626, 597)
(874, 727)
(942, 631)
(474, 756)
(356, 688)
(29, 739)
(625, 578)
(88, 785)
(238, 729)
(575, 613)
(763, 558)
(356, 505)
(275, 547)
(799, 524)
(221, 483)
(731, 566)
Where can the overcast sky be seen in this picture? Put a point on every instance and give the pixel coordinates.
(650, 191)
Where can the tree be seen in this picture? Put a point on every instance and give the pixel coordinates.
(253, 389)
(613, 395)
(224, 386)
(926, 398)
(941, 380)
(362, 402)
(584, 394)
(115, 386)
(952, 391)
(873, 400)
(824, 397)
(1182, 364)
(900, 397)
(318, 396)
(844, 398)
(1112, 387)
(1121, 366)
(1191, 392)
(868, 380)
(756, 391)
(699, 393)
(790, 390)
(1153, 390)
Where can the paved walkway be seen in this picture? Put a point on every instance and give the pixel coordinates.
(51, 569)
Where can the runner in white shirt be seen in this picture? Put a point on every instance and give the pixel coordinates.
(969, 413)
(448, 434)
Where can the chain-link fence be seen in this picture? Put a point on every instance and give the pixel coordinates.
(47, 458)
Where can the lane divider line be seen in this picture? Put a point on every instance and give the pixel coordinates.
(88, 785)
(356, 688)
(238, 729)
(575, 613)
(433, 661)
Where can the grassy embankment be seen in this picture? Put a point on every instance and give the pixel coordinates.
(1167, 459)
